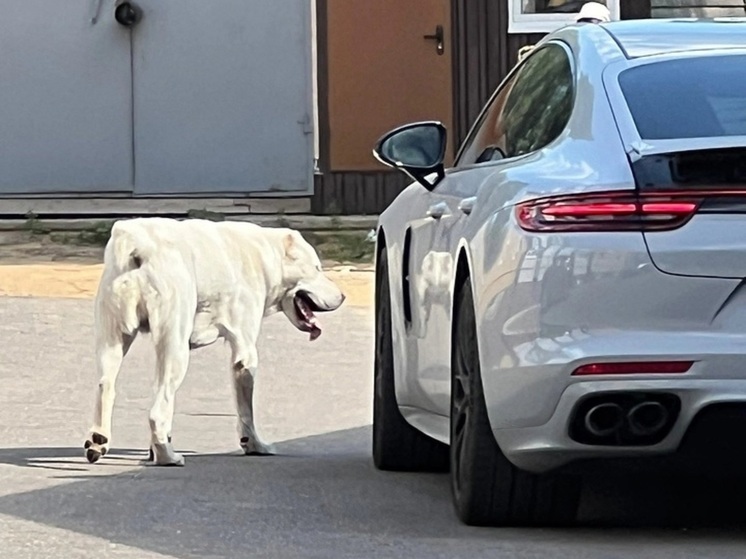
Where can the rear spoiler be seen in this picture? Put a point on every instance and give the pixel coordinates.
(645, 148)
(708, 170)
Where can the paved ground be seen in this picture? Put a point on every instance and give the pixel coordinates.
(320, 497)
(79, 281)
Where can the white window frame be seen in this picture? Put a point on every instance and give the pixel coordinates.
(545, 23)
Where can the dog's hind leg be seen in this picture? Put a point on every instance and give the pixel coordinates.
(172, 362)
(111, 347)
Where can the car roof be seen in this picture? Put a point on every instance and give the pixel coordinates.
(650, 37)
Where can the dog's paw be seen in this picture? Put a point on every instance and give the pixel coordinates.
(176, 460)
(151, 456)
(96, 447)
(257, 448)
(164, 455)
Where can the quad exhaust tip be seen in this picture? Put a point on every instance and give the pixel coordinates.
(647, 418)
(633, 418)
(605, 419)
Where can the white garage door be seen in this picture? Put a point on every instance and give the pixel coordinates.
(204, 97)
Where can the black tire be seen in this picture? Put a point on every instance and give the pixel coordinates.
(487, 489)
(397, 446)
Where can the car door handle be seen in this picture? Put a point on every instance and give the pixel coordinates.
(467, 205)
(436, 211)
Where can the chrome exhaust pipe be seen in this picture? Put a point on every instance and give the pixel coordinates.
(604, 419)
(647, 418)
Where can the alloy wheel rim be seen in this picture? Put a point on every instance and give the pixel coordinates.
(461, 406)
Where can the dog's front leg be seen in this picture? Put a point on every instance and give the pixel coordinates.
(245, 363)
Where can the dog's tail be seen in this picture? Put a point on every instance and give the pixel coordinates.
(128, 247)
(127, 251)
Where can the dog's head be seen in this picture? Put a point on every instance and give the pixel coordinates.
(306, 290)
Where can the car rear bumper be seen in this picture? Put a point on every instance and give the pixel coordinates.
(550, 446)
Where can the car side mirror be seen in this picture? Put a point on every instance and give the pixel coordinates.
(490, 153)
(416, 149)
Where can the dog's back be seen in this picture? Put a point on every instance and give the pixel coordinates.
(147, 258)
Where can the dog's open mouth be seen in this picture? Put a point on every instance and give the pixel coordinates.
(304, 308)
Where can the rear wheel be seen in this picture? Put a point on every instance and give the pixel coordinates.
(397, 446)
(487, 489)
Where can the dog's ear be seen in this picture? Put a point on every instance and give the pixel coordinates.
(288, 242)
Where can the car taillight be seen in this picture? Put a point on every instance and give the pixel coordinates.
(635, 368)
(606, 212)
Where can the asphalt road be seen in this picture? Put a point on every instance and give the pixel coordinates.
(320, 497)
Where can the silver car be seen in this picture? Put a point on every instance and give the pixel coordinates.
(572, 290)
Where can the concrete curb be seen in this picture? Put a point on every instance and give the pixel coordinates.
(300, 222)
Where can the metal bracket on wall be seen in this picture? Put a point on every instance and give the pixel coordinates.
(306, 124)
(127, 14)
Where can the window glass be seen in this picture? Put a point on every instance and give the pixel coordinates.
(540, 103)
(483, 145)
(551, 6)
(666, 103)
(530, 110)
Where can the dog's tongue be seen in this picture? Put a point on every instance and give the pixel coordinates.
(308, 318)
(315, 331)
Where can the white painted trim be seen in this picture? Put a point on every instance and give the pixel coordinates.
(315, 80)
(545, 23)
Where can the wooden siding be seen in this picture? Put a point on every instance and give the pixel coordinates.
(697, 8)
(635, 9)
(356, 193)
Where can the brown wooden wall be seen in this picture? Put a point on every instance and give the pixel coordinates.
(342, 192)
(483, 53)
(383, 73)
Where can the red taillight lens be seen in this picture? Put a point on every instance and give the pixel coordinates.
(605, 212)
(635, 368)
(668, 208)
(590, 209)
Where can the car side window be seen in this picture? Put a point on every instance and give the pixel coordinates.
(487, 143)
(530, 110)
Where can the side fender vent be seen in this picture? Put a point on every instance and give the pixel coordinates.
(406, 287)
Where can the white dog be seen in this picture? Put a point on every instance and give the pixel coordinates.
(189, 283)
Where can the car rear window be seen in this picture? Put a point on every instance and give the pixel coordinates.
(701, 97)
